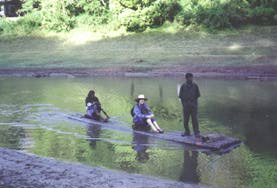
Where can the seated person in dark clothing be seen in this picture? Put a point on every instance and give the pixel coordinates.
(92, 98)
(93, 111)
(142, 115)
(93, 107)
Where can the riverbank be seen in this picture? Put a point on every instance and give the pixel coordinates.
(246, 72)
(24, 170)
(244, 53)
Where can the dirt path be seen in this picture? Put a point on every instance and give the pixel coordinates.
(241, 72)
(30, 171)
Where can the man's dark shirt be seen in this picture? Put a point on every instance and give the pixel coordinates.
(189, 93)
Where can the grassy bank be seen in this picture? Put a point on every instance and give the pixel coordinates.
(250, 46)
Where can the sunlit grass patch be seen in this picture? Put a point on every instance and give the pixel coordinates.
(154, 48)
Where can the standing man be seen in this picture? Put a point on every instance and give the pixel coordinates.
(189, 94)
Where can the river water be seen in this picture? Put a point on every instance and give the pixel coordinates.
(33, 118)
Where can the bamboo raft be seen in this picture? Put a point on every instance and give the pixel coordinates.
(212, 141)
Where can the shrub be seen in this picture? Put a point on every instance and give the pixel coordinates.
(56, 16)
(214, 14)
(29, 23)
(134, 23)
(137, 15)
(223, 15)
(92, 12)
(262, 15)
(1, 25)
(135, 4)
(153, 15)
(164, 10)
(25, 24)
(62, 15)
(31, 6)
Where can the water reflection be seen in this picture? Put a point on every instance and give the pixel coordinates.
(93, 132)
(140, 145)
(11, 137)
(132, 90)
(244, 109)
(189, 169)
(161, 93)
(252, 116)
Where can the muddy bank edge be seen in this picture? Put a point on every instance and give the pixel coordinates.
(22, 170)
(245, 72)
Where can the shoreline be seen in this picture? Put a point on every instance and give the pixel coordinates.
(224, 72)
(18, 169)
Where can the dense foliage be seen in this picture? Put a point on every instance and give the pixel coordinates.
(137, 15)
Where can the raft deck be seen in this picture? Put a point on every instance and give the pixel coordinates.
(213, 141)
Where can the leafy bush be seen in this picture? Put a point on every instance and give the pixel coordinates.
(92, 13)
(29, 23)
(31, 6)
(135, 4)
(26, 24)
(222, 15)
(153, 15)
(134, 23)
(262, 12)
(164, 10)
(56, 16)
(1, 25)
(214, 14)
(262, 15)
(62, 15)
(138, 15)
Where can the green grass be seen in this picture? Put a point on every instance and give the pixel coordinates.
(153, 48)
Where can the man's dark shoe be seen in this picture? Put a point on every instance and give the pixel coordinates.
(186, 134)
(205, 138)
(197, 135)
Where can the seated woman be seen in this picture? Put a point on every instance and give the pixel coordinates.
(142, 115)
(93, 107)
